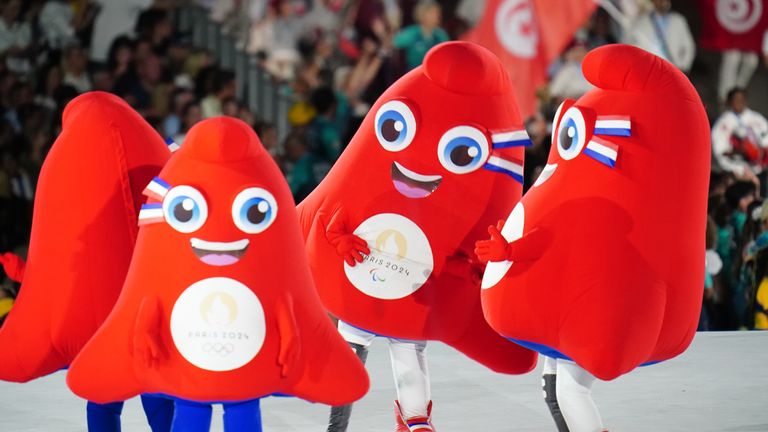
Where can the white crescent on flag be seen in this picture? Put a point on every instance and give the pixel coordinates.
(739, 16)
(516, 28)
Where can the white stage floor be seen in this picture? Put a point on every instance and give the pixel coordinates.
(719, 384)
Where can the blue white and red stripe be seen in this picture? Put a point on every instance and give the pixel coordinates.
(151, 213)
(157, 188)
(603, 151)
(515, 138)
(419, 424)
(509, 166)
(172, 146)
(613, 126)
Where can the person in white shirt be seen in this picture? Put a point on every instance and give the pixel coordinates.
(57, 23)
(117, 17)
(75, 69)
(15, 37)
(740, 138)
(665, 33)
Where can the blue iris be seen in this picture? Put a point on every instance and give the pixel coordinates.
(392, 127)
(463, 152)
(569, 134)
(184, 210)
(256, 213)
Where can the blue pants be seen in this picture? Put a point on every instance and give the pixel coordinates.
(196, 417)
(106, 417)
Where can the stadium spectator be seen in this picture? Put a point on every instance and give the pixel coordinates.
(190, 114)
(116, 18)
(223, 88)
(324, 136)
(415, 40)
(15, 37)
(665, 33)
(569, 81)
(75, 73)
(59, 23)
(740, 138)
(301, 167)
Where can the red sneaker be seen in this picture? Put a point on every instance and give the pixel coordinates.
(413, 424)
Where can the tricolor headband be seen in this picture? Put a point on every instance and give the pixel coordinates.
(503, 164)
(153, 212)
(172, 146)
(602, 150)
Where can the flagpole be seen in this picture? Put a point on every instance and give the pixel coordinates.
(622, 19)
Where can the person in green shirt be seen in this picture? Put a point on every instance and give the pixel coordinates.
(415, 40)
(301, 167)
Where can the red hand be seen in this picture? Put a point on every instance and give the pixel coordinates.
(495, 248)
(13, 265)
(348, 246)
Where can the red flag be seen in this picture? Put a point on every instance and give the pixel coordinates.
(733, 24)
(527, 35)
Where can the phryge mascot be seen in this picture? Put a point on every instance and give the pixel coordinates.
(83, 234)
(219, 304)
(600, 267)
(390, 231)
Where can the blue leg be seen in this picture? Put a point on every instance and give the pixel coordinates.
(159, 412)
(242, 417)
(191, 417)
(104, 417)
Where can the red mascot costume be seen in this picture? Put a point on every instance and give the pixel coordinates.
(83, 233)
(218, 304)
(391, 229)
(605, 267)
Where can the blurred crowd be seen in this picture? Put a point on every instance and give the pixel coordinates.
(333, 58)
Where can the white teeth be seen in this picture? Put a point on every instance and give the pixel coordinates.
(416, 176)
(219, 246)
(546, 173)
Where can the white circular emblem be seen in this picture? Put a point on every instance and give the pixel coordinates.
(513, 230)
(217, 324)
(400, 260)
(516, 28)
(739, 16)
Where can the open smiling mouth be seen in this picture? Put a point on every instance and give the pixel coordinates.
(412, 184)
(218, 253)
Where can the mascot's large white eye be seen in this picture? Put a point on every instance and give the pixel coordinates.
(185, 209)
(571, 134)
(395, 126)
(557, 116)
(463, 149)
(254, 210)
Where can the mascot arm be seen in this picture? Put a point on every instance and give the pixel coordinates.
(290, 348)
(348, 245)
(147, 345)
(527, 248)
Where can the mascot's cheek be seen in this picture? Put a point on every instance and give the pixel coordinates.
(217, 324)
(400, 261)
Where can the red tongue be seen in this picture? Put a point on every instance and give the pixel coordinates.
(219, 259)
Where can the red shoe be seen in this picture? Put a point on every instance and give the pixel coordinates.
(413, 424)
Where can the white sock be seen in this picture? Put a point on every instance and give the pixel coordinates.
(409, 366)
(574, 395)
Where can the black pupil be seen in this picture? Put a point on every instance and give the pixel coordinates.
(255, 216)
(565, 141)
(388, 130)
(460, 156)
(181, 214)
